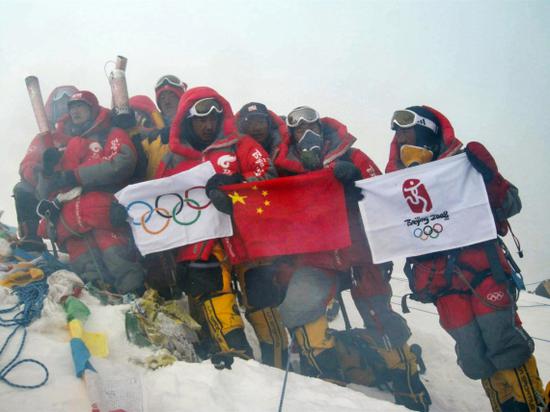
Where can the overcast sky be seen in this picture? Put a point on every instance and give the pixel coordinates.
(485, 64)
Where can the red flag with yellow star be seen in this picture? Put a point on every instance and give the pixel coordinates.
(288, 215)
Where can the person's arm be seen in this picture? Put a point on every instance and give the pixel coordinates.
(254, 161)
(29, 167)
(503, 196)
(117, 165)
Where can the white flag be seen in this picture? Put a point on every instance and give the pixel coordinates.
(436, 206)
(173, 211)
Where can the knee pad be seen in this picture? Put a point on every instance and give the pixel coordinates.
(260, 288)
(308, 293)
(200, 278)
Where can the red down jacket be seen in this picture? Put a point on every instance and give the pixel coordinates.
(429, 270)
(230, 153)
(42, 141)
(338, 146)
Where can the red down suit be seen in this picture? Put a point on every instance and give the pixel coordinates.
(474, 307)
(203, 267)
(103, 159)
(370, 289)
(313, 280)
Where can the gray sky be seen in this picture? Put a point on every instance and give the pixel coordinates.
(483, 64)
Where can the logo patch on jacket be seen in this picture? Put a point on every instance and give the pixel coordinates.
(95, 148)
(260, 163)
(225, 163)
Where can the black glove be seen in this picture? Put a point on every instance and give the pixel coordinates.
(118, 215)
(219, 198)
(353, 193)
(221, 201)
(479, 165)
(50, 210)
(123, 120)
(165, 135)
(66, 178)
(221, 180)
(346, 172)
(50, 158)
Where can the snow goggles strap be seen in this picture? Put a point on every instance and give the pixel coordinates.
(169, 79)
(414, 155)
(302, 113)
(408, 118)
(204, 107)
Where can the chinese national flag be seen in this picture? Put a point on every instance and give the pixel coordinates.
(286, 216)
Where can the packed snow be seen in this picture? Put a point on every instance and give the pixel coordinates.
(249, 385)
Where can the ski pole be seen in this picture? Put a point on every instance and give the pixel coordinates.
(283, 390)
(344, 311)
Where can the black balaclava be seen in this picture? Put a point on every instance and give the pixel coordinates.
(310, 149)
(189, 135)
(425, 137)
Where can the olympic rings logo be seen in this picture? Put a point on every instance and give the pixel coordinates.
(428, 231)
(168, 214)
(495, 296)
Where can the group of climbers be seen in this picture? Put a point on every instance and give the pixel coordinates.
(69, 176)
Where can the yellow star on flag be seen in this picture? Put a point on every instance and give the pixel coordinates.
(267, 203)
(259, 210)
(264, 193)
(237, 198)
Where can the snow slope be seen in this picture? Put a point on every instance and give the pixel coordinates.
(249, 386)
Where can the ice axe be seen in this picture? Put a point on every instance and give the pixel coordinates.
(33, 88)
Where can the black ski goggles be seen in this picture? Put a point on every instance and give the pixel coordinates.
(169, 80)
(301, 114)
(407, 118)
(204, 107)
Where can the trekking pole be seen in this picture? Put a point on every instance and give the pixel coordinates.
(286, 376)
(343, 309)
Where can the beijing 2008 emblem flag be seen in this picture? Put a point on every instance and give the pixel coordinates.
(437, 206)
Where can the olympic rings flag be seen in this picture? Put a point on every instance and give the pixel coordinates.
(173, 211)
(437, 206)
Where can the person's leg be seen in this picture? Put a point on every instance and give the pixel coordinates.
(318, 353)
(27, 219)
(389, 332)
(261, 296)
(83, 261)
(209, 285)
(303, 313)
(509, 347)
